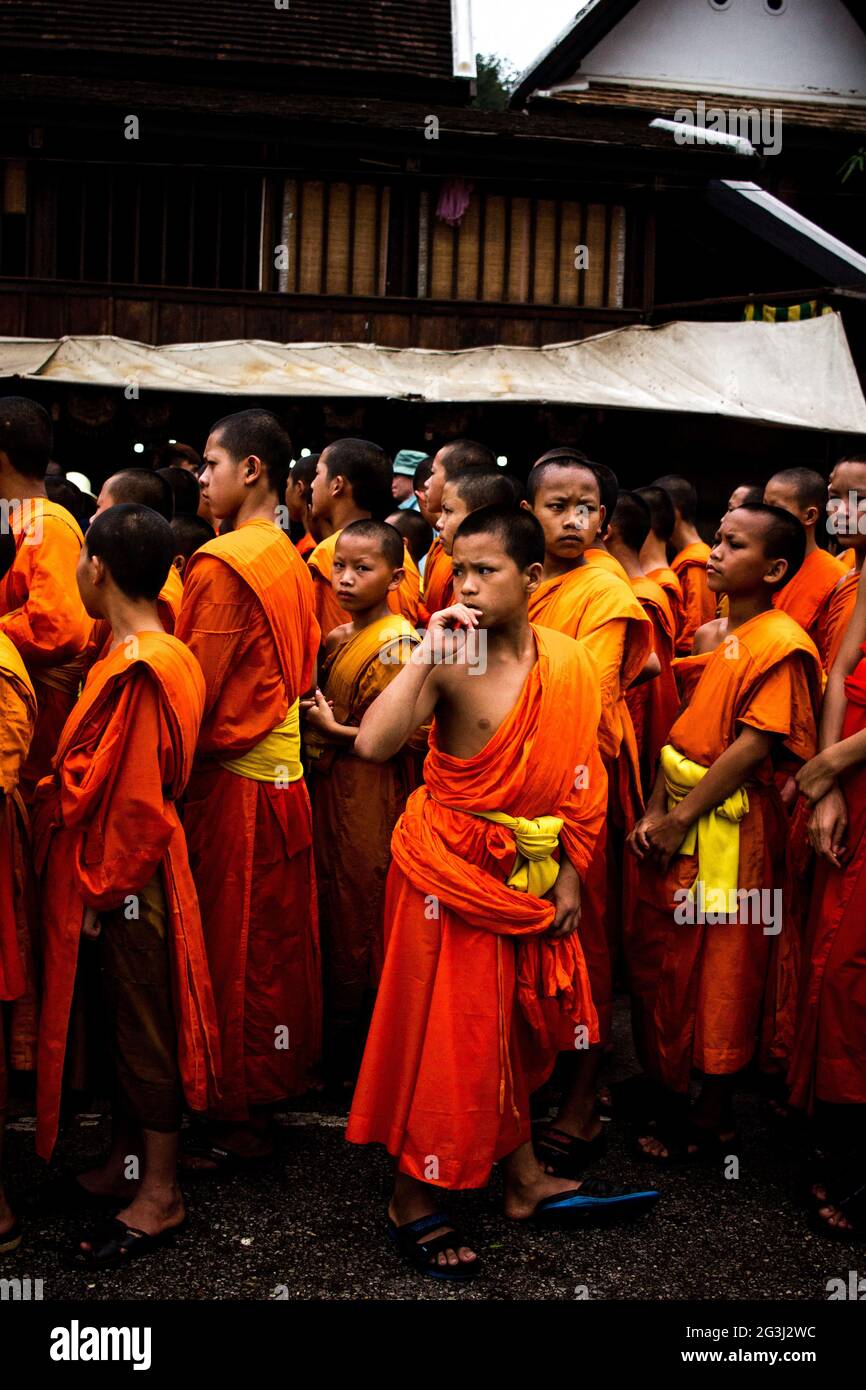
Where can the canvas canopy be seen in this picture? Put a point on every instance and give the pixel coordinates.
(795, 373)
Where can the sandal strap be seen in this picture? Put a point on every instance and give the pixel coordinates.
(450, 1240)
(424, 1223)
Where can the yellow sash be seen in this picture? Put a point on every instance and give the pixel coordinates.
(715, 836)
(276, 757)
(535, 869)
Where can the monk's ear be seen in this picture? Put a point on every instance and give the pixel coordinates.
(812, 516)
(777, 571)
(396, 579)
(179, 562)
(253, 468)
(534, 575)
(602, 518)
(525, 505)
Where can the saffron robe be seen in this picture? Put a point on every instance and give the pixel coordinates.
(248, 617)
(603, 614)
(699, 605)
(105, 822)
(167, 606)
(18, 906)
(42, 613)
(829, 1062)
(654, 705)
(437, 586)
(813, 598)
(707, 996)
(603, 560)
(356, 805)
(842, 606)
(474, 997)
(329, 614)
(306, 545)
(667, 580)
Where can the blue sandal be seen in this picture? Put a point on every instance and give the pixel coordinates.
(596, 1201)
(420, 1253)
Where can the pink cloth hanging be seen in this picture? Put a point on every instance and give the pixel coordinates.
(453, 201)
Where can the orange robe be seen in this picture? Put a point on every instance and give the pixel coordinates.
(699, 605)
(709, 994)
(306, 545)
(248, 617)
(437, 585)
(105, 823)
(167, 606)
(654, 705)
(474, 998)
(842, 604)
(603, 560)
(18, 907)
(328, 611)
(667, 580)
(41, 611)
(602, 612)
(815, 600)
(356, 805)
(829, 1062)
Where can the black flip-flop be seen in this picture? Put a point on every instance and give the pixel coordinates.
(114, 1244)
(596, 1202)
(419, 1254)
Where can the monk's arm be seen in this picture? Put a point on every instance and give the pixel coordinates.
(735, 766)
(650, 669)
(408, 701)
(214, 617)
(51, 625)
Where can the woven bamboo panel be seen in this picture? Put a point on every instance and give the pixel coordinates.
(494, 249)
(518, 259)
(545, 251)
(593, 276)
(468, 247)
(337, 268)
(569, 243)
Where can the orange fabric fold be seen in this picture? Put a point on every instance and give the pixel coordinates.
(812, 599)
(104, 824)
(699, 605)
(654, 705)
(437, 585)
(475, 998)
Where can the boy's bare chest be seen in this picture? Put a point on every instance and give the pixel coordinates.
(477, 706)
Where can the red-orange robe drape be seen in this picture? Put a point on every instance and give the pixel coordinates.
(667, 580)
(654, 705)
(829, 1062)
(699, 605)
(474, 999)
(841, 607)
(105, 822)
(18, 906)
(816, 599)
(41, 611)
(248, 617)
(602, 612)
(437, 585)
(708, 995)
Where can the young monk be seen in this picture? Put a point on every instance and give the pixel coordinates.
(144, 488)
(184, 488)
(115, 874)
(715, 831)
(690, 560)
(846, 506)
(599, 553)
(40, 608)
(248, 617)
(464, 493)
(602, 612)
(746, 495)
(480, 917)
(352, 483)
(416, 539)
(828, 1071)
(355, 803)
(454, 457)
(299, 503)
(815, 597)
(653, 552)
(654, 704)
(18, 908)
(190, 534)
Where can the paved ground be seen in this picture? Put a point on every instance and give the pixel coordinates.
(314, 1227)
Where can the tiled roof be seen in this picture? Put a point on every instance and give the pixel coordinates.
(376, 36)
(663, 101)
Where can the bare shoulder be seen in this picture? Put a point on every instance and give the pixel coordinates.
(337, 637)
(710, 636)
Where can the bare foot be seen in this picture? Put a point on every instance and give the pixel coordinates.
(412, 1209)
(653, 1147)
(522, 1198)
(833, 1217)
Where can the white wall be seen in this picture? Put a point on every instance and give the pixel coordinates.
(814, 48)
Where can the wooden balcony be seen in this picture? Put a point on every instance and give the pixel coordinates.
(33, 308)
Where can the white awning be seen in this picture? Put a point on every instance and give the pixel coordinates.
(795, 373)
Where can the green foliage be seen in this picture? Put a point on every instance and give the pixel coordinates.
(854, 165)
(496, 77)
